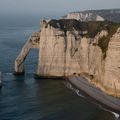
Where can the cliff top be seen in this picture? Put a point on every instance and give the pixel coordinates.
(92, 27)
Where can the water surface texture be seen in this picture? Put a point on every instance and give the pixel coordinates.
(23, 97)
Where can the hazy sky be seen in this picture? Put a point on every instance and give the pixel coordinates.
(53, 7)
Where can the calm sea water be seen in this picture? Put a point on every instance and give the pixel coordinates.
(23, 97)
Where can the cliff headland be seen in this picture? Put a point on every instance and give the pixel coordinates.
(67, 47)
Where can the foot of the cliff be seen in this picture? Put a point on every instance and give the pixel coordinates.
(36, 76)
(19, 73)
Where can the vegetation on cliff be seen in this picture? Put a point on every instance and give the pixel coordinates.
(92, 27)
(104, 41)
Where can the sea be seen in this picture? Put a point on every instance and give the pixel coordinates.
(25, 98)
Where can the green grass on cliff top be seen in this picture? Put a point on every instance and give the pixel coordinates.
(93, 27)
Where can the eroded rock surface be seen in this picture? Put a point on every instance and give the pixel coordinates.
(33, 42)
(70, 47)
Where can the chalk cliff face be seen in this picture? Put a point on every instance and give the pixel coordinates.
(68, 46)
(89, 49)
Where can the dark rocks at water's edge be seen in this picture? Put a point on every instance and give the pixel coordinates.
(36, 76)
(0, 80)
(19, 73)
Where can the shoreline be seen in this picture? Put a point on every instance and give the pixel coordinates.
(78, 82)
(86, 97)
(94, 94)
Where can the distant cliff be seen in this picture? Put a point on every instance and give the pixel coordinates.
(95, 15)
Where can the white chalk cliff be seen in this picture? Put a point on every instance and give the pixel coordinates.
(66, 52)
(89, 49)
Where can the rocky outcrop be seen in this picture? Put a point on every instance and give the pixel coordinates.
(33, 42)
(90, 49)
(68, 47)
(95, 15)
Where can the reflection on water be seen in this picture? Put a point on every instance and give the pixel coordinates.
(23, 98)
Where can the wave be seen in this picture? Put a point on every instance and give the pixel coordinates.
(68, 85)
(117, 116)
(8, 73)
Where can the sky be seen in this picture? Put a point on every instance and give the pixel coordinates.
(53, 7)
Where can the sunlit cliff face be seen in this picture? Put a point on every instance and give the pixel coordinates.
(87, 48)
(68, 47)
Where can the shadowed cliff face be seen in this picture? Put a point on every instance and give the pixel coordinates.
(86, 48)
